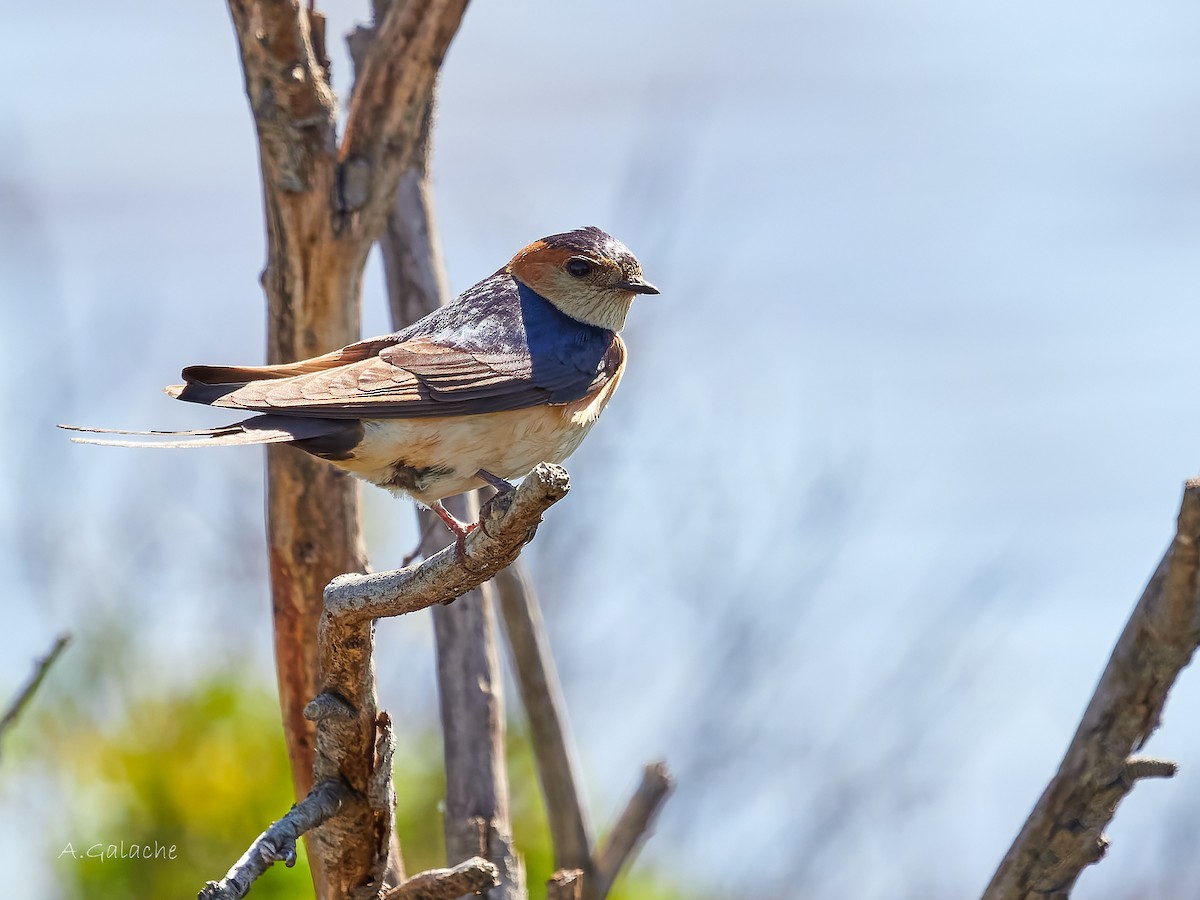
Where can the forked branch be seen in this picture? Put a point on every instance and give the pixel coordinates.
(352, 841)
(1063, 834)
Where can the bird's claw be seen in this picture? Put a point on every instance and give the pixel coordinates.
(460, 539)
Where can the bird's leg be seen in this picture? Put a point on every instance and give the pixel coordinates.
(501, 485)
(460, 529)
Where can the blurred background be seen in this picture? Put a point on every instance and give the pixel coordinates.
(899, 445)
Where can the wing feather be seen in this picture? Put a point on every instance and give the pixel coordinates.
(421, 378)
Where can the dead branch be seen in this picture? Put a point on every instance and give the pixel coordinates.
(1063, 833)
(507, 523)
(391, 94)
(565, 884)
(474, 876)
(312, 302)
(25, 694)
(278, 843)
(319, 231)
(541, 695)
(356, 843)
(632, 827)
(470, 691)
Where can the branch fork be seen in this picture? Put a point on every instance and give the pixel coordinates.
(353, 798)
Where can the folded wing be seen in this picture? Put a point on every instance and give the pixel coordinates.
(416, 378)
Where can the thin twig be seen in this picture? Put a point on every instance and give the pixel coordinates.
(1063, 833)
(631, 829)
(278, 843)
(474, 876)
(25, 694)
(541, 695)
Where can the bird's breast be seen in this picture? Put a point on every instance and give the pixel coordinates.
(433, 458)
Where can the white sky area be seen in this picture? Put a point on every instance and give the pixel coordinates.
(899, 444)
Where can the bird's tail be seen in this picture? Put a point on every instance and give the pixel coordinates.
(265, 429)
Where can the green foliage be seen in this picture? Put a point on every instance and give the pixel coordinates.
(205, 770)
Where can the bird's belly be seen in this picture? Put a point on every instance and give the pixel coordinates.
(433, 458)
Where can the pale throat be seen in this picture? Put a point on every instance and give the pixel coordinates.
(604, 309)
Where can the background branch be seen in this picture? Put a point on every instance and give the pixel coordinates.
(25, 694)
(474, 876)
(1063, 833)
(278, 843)
(541, 695)
(632, 828)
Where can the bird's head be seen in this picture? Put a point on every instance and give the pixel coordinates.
(588, 274)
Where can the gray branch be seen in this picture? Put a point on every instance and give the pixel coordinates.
(474, 876)
(25, 694)
(541, 695)
(507, 523)
(278, 843)
(566, 884)
(631, 829)
(1063, 834)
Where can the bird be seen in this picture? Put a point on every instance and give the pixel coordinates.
(513, 372)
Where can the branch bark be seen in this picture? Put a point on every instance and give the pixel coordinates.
(474, 876)
(565, 884)
(541, 695)
(1063, 833)
(355, 845)
(312, 303)
(632, 828)
(319, 232)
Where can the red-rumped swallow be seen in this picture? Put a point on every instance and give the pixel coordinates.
(512, 373)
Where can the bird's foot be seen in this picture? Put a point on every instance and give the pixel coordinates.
(502, 497)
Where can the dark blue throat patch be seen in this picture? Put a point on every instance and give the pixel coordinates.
(501, 316)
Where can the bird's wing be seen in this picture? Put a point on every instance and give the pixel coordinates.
(422, 377)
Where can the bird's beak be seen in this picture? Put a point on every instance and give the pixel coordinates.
(637, 286)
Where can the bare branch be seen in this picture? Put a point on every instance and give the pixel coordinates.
(311, 283)
(470, 691)
(356, 840)
(278, 843)
(474, 876)
(1063, 834)
(541, 695)
(566, 884)
(507, 523)
(294, 109)
(631, 829)
(25, 694)
(388, 102)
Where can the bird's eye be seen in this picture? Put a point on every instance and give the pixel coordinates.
(579, 268)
